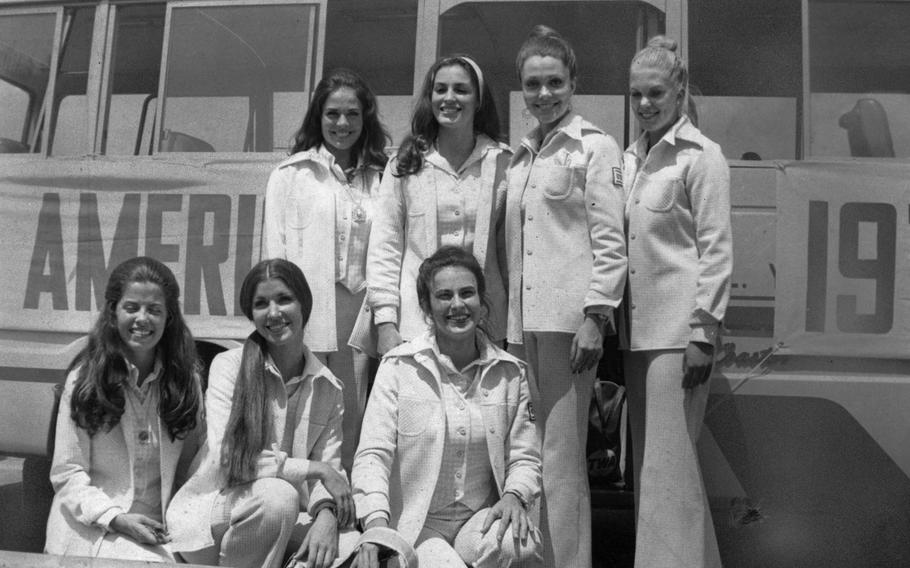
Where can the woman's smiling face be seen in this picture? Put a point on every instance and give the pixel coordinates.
(454, 98)
(277, 314)
(455, 304)
(655, 99)
(547, 88)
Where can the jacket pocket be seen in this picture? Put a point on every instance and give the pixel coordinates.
(558, 182)
(660, 195)
(414, 415)
(416, 233)
(300, 214)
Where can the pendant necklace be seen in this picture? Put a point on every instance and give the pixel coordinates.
(360, 214)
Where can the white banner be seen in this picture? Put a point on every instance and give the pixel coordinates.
(843, 259)
(65, 224)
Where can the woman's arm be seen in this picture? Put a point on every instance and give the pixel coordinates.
(384, 255)
(71, 473)
(604, 206)
(378, 443)
(708, 188)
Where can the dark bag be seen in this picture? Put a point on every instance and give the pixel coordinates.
(606, 432)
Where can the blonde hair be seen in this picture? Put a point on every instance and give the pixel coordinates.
(661, 53)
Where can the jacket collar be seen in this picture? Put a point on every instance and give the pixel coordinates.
(312, 369)
(482, 145)
(682, 131)
(572, 125)
(323, 159)
(425, 351)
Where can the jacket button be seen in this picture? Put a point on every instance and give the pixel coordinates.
(631, 271)
(528, 287)
(632, 236)
(492, 429)
(530, 217)
(530, 252)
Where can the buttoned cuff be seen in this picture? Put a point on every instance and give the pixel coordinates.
(104, 521)
(385, 314)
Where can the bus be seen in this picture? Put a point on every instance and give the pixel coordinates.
(149, 127)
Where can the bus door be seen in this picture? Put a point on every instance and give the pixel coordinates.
(604, 34)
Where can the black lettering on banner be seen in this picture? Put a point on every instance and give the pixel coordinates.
(243, 257)
(158, 205)
(817, 273)
(48, 251)
(881, 268)
(91, 269)
(203, 261)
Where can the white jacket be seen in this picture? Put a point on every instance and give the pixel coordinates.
(403, 439)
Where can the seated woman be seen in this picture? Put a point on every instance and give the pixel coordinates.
(448, 455)
(130, 410)
(270, 471)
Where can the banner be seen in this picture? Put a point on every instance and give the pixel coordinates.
(843, 259)
(66, 223)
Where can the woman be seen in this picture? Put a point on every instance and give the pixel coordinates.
(270, 472)
(333, 173)
(449, 454)
(566, 275)
(446, 187)
(130, 410)
(680, 259)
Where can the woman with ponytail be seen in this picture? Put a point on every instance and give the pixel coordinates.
(677, 214)
(127, 423)
(270, 473)
(445, 187)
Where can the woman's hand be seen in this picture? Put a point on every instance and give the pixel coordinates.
(320, 547)
(509, 511)
(697, 363)
(140, 528)
(587, 346)
(368, 555)
(387, 337)
(340, 490)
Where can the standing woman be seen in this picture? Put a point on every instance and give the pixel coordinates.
(680, 259)
(446, 187)
(129, 414)
(567, 269)
(333, 173)
(270, 471)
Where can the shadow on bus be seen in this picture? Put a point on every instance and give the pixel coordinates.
(814, 488)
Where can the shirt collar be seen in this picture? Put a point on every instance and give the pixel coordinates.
(482, 145)
(682, 129)
(312, 369)
(321, 157)
(133, 374)
(571, 125)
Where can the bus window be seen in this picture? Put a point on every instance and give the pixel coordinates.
(13, 117)
(859, 80)
(745, 59)
(25, 62)
(224, 67)
(138, 37)
(68, 120)
(376, 39)
(603, 35)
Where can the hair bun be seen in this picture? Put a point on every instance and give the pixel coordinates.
(663, 42)
(543, 31)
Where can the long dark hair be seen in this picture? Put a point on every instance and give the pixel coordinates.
(369, 148)
(247, 432)
(425, 129)
(98, 400)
